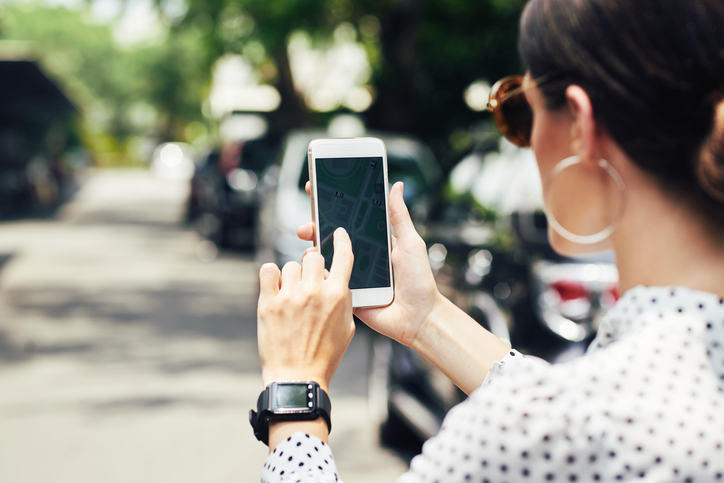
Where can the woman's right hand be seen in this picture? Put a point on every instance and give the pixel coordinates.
(416, 294)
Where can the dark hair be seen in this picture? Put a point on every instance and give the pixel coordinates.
(654, 71)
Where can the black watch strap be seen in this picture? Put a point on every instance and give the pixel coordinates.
(260, 418)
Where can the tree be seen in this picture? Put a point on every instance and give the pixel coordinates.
(238, 23)
(433, 49)
(424, 53)
(154, 89)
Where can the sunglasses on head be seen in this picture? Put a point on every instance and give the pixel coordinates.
(510, 109)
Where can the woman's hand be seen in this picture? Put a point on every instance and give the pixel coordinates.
(305, 316)
(419, 316)
(416, 294)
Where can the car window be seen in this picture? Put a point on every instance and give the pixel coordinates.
(407, 169)
(256, 155)
(304, 176)
(399, 168)
(208, 162)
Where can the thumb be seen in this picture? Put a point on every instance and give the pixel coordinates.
(399, 216)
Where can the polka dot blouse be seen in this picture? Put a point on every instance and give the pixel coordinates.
(645, 404)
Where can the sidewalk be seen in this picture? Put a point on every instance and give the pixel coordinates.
(125, 358)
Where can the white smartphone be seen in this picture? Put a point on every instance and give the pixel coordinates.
(349, 189)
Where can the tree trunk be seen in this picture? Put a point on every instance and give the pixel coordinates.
(292, 112)
(401, 79)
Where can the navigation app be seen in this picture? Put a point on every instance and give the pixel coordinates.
(351, 194)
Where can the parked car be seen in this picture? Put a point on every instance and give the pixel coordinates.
(36, 134)
(286, 205)
(488, 248)
(224, 198)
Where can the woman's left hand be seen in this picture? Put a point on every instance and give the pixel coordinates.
(304, 316)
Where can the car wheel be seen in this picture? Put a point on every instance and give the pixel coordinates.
(391, 427)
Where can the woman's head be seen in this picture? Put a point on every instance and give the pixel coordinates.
(654, 73)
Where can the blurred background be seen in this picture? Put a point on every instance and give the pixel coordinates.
(153, 155)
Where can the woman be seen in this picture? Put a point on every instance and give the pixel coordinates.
(628, 130)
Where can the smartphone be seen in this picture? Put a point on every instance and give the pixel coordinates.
(350, 189)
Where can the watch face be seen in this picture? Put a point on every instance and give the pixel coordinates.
(293, 397)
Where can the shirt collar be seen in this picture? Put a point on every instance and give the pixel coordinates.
(629, 311)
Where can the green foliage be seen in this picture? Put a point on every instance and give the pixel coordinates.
(80, 54)
(122, 92)
(423, 57)
(423, 54)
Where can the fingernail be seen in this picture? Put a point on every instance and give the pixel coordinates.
(402, 188)
(340, 231)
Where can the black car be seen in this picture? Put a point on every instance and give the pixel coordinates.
(224, 199)
(37, 134)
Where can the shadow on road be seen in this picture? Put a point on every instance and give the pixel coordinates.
(122, 352)
(5, 258)
(186, 311)
(173, 329)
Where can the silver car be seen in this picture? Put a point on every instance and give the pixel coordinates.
(285, 204)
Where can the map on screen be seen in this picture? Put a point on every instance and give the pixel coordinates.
(351, 194)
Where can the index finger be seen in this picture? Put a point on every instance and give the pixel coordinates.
(313, 268)
(268, 281)
(343, 259)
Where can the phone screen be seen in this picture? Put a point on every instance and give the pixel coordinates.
(351, 194)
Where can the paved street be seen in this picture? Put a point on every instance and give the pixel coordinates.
(125, 358)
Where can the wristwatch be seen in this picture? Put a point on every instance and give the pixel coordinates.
(289, 401)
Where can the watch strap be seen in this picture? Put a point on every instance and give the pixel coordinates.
(260, 421)
(324, 406)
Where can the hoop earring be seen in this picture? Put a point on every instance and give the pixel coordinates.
(596, 237)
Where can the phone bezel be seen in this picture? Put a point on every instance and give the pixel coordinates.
(354, 148)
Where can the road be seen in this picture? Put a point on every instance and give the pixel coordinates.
(124, 357)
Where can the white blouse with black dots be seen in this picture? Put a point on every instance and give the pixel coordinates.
(645, 404)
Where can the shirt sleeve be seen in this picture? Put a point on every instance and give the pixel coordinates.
(307, 459)
(520, 425)
(645, 407)
(513, 361)
(611, 415)
(300, 458)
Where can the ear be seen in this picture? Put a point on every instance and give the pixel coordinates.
(583, 127)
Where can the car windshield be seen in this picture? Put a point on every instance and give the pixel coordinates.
(399, 168)
(256, 155)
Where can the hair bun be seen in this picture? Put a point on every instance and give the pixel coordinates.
(710, 169)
